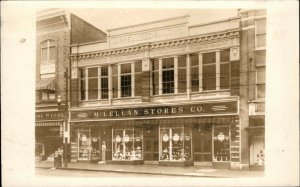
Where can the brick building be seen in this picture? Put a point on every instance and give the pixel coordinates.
(56, 30)
(163, 92)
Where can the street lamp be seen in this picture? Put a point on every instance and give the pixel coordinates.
(64, 109)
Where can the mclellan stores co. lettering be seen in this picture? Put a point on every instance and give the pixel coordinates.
(196, 109)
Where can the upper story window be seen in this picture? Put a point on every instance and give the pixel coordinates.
(126, 80)
(209, 71)
(224, 69)
(260, 33)
(48, 51)
(182, 74)
(94, 83)
(194, 72)
(168, 75)
(260, 82)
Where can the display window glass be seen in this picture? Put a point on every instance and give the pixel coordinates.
(127, 143)
(175, 143)
(221, 144)
(84, 145)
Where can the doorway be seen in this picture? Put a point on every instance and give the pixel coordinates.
(202, 137)
(151, 144)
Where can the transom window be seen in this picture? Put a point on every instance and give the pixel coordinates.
(48, 51)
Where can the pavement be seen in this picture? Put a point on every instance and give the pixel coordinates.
(191, 171)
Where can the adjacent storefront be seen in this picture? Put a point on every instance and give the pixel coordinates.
(48, 134)
(178, 135)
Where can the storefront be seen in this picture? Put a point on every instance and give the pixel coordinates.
(48, 134)
(256, 131)
(178, 135)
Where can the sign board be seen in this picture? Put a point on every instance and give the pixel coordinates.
(158, 111)
(56, 115)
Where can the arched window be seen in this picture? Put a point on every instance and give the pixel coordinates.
(48, 51)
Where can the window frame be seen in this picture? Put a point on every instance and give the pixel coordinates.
(263, 33)
(47, 47)
(162, 78)
(257, 83)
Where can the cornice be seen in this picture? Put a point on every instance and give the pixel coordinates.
(157, 45)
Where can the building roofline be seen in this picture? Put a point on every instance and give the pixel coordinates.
(140, 24)
(213, 22)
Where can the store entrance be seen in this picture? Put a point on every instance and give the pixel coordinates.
(202, 137)
(151, 144)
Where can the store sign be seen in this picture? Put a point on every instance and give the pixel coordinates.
(40, 116)
(159, 111)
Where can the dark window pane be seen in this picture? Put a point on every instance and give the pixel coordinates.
(125, 68)
(195, 78)
(126, 85)
(82, 90)
(104, 88)
(168, 81)
(224, 56)
(182, 61)
(209, 77)
(93, 88)
(104, 71)
(155, 64)
(182, 80)
(224, 76)
(138, 66)
(168, 63)
(82, 73)
(194, 59)
(209, 58)
(138, 84)
(52, 51)
(155, 83)
(93, 72)
(115, 86)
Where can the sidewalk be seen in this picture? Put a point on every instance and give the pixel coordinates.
(192, 171)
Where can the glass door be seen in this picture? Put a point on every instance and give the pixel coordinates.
(203, 145)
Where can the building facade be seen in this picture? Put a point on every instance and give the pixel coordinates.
(253, 55)
(163, 92)
(54, 35)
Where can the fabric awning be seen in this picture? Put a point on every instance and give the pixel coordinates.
(48, 123)
(46, 84)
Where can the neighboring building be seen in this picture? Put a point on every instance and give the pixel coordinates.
(253, 58)
(56, 30)
(163, 92)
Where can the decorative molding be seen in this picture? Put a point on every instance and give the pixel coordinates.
(74, 73)
(234, 54)
(146, 64)
(183, 45)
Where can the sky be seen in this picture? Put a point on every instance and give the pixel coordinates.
(113, 18)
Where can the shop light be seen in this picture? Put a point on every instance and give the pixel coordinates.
(58, 99)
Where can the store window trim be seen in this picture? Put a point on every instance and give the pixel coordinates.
(219, 156)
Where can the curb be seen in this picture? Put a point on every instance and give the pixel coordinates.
(135, 172)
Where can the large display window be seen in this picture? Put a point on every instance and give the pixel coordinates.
(88, 145)
(127, 143)
(221, 144)
(175, 143)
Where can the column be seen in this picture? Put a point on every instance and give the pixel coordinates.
(200, 71)
(110, 93)
(160, 76)
(217, 70)
(146, 80)
(99, 83)
(132, 79)
(188, 76)
(176, 74)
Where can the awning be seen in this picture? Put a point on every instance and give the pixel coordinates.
(48, 123)
(46, 84)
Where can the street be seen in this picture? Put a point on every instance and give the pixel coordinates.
(78, 173)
